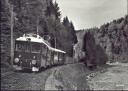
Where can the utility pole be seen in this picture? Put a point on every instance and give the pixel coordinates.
(127, 7)
(12, 24)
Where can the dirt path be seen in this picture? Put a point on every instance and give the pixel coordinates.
(53, 84)
(115, 78)
(68, 77)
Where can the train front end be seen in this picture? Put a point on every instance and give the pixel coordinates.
(27, 55)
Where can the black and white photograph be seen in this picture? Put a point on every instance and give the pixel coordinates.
(64, 45)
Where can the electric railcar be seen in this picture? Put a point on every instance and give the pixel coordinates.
(33, 52)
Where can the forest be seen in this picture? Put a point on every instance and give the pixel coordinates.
(107, 43)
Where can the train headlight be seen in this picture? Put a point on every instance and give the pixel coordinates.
(33, 61)
(34, 57)
(16, 60)
(19, 55)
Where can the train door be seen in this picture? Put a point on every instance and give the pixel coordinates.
(52, 57)
(64, 58)
(60, 58)
(55, 58)
(48, 62)
(43, 55)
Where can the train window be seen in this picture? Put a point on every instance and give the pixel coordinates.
(55, 55)
(36, 48)
(27, 48)
(44, 49)
(60, 56)
(20, 47)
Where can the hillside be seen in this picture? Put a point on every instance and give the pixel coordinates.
(112, 39)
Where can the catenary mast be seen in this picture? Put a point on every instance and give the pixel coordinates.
(12, 24)
(127, 7)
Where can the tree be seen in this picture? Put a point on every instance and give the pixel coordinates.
(73, 33)
(65, 21)
(49, 8)
(57, 11)
(53, 9)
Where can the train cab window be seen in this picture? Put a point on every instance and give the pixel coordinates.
(36, 48)
(21, 47)
(27, 48)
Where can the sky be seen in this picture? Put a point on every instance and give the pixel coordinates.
(90, 13)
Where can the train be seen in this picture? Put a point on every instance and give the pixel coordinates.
(33, 52)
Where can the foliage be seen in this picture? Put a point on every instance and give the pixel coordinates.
(95, 55)
(112, 38)
(70, 27)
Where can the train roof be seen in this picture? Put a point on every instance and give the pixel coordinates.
(38, 39)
